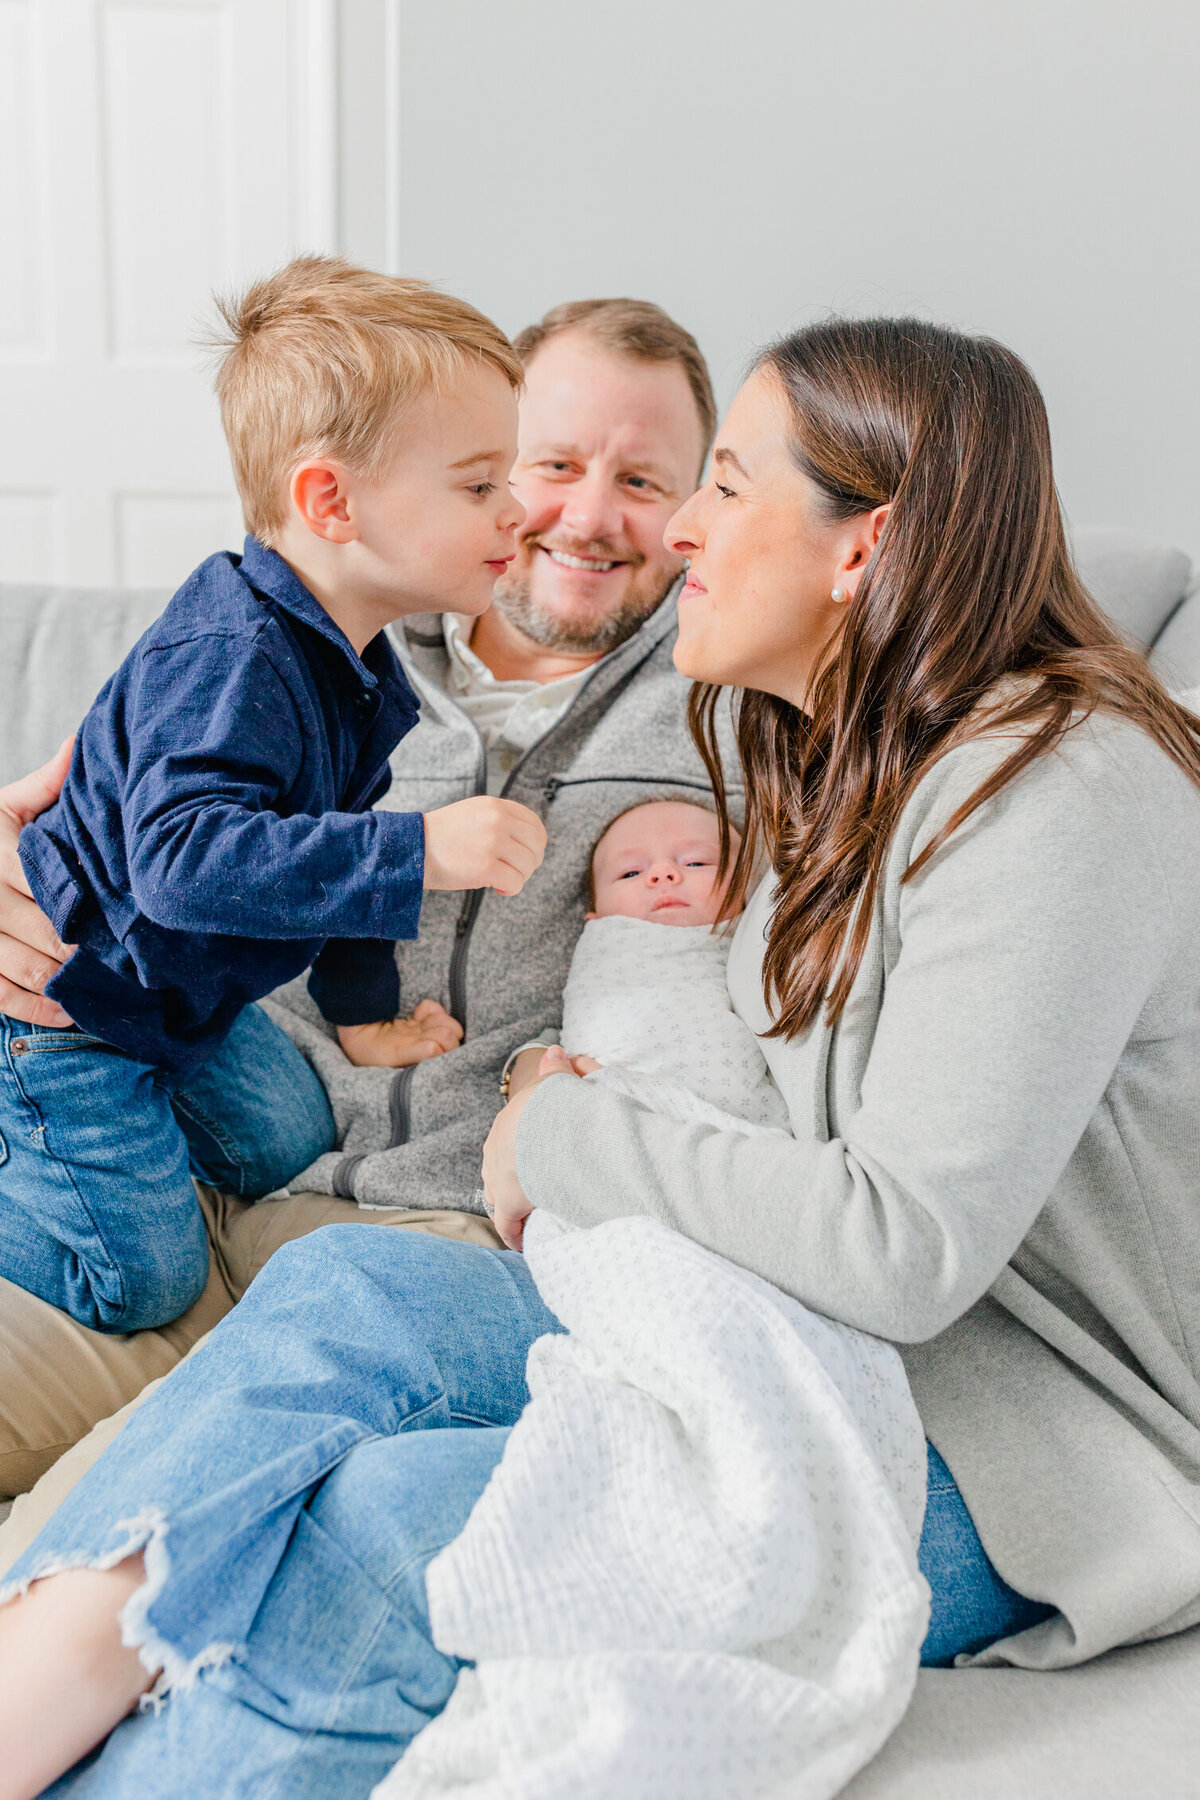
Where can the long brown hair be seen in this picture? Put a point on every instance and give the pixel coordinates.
(972, 581)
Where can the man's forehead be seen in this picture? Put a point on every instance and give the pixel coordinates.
(583, 399)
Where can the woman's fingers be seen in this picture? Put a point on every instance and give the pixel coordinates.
(555, 1061)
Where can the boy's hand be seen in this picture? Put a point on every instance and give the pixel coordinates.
(483, 842)
(398, 1043)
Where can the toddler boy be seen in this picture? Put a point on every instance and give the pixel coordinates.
(215, 835)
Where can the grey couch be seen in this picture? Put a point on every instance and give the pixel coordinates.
(1126, 1727)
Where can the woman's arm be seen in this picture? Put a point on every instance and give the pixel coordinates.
(1018, 963)
(30, 951)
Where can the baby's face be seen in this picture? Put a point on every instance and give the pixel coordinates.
(659, 862)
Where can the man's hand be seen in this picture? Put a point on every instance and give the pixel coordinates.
(30, 951)
(504, 1196)
(482, 842)
(398, 1043)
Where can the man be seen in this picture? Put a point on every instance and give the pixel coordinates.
(564, 697)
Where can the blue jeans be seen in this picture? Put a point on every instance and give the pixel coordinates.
(303, 1468)
(98, 1214)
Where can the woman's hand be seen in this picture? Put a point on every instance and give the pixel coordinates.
(30, 951)
(503, 1195)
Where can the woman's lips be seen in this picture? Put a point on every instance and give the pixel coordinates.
(500, 563)
(692, 586)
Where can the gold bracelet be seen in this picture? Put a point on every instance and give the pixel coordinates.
(506, 1074)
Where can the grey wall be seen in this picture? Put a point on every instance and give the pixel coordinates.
(1028, 168)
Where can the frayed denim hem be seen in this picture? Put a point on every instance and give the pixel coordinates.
(147, 1532)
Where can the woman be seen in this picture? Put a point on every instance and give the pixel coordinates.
(976, 967)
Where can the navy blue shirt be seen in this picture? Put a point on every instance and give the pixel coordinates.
(214, 837)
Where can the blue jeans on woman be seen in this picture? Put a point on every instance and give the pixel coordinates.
(98, 1214)
(301, 1470)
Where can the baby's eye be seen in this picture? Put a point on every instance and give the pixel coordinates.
(628, 874)
(481, 489)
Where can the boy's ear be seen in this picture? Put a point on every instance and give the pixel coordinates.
(588, 917)
(320, 498)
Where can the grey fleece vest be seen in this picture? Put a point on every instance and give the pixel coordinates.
(414, 1137)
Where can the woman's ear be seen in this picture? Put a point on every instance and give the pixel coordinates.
(859, 551)
(319, 492)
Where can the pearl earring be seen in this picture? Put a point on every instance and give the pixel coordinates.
(838, 594)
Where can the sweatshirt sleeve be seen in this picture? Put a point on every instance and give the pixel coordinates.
(355, 981)
(209, 843)
(1020, 960)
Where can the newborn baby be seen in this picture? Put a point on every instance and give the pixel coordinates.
(646, 994)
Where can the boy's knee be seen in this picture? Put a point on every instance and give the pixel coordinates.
(140, 1297)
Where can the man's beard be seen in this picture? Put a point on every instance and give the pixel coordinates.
(513, 599)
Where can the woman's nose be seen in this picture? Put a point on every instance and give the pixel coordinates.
(683, 534)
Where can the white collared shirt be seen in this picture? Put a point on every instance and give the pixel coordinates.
(510, 716)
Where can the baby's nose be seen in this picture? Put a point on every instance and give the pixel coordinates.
(663, 871)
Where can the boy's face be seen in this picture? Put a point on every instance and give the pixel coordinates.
(659, 862)
(435, 532)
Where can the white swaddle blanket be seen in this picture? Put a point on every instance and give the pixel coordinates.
(653, 999)
(693, 1575)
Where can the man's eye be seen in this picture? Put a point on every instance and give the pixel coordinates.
(726, 493)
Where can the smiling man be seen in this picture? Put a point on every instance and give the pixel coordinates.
(563, 696)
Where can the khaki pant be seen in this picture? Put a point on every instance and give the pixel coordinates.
(59, 1380)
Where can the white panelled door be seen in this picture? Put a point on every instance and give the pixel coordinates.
(153, 151)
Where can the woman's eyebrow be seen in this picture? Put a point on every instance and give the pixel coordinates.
(728, 460)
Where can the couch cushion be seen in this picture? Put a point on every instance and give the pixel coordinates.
(58, 646)
(1125, 1727)
(1138, 582)
(1176, 652)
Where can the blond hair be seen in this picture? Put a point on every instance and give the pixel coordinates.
(636, 328)
(320, 358)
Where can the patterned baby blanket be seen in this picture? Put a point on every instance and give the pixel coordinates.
(693, 1575)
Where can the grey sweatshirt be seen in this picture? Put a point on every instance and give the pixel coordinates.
(414, 1137)
(996, 1164)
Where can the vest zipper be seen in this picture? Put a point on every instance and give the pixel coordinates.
(557, 782)
(399, 1096)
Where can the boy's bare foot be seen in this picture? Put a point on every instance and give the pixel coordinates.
(65, 1677)
(398, 1043)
